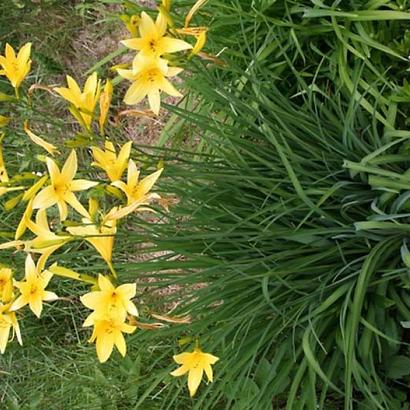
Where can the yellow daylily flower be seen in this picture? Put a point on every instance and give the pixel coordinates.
(32, 289)
(16, 67)
(108, 332)
(62, 188)
(195, 363)
(137, 191)
(149, 76)
(6, 285)
(8, 321)
(100, 236)
(153, 41)
(110, 301)
(50, 148)
(83, 101)
(108, 161)
(105, 102)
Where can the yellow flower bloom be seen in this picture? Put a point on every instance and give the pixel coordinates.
(100, 236)
(110, 301)
(85, 101)
(149, 76)
(105, 102)
(16, 68)
(32, 290)
(6, 285)
(62, 188)
(195, 363)
(153, 42)
(8, 321)
(108, 161)
(137, 191)
(107, 332)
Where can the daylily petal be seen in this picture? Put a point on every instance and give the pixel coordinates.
(63, 210)
(180, 371)
(81, 185)
(120, 343)
(135, 93)
(128, 290)
(173, 45)
(49, 296)
(154, 100)
(36, 306)
(194, 380)
(91, 300)
(19, 303)
(70, 167)
(104, 283)
(45, 198)
(166, 86)
(147, 26)
(209, 372)
(133, 43)
(24, 54)
(53, 170)
(71, 199)
(104, 345)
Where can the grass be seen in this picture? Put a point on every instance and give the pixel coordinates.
(288, 245)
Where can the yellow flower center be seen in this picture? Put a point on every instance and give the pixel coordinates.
(152, 44)
(2, 283)
(152, 75)
(61, 189)
(33, 289)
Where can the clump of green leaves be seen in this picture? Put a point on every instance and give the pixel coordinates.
(291, 247)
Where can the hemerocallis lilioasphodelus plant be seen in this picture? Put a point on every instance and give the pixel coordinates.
(6, 284)
(110, 300)
(108, 160)
(33, 289)
(16, 67)
(134, 189)
(83, 102)
(149, 76)
(8, 322)
(62, 187)
(153, 41)
(195, 364)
